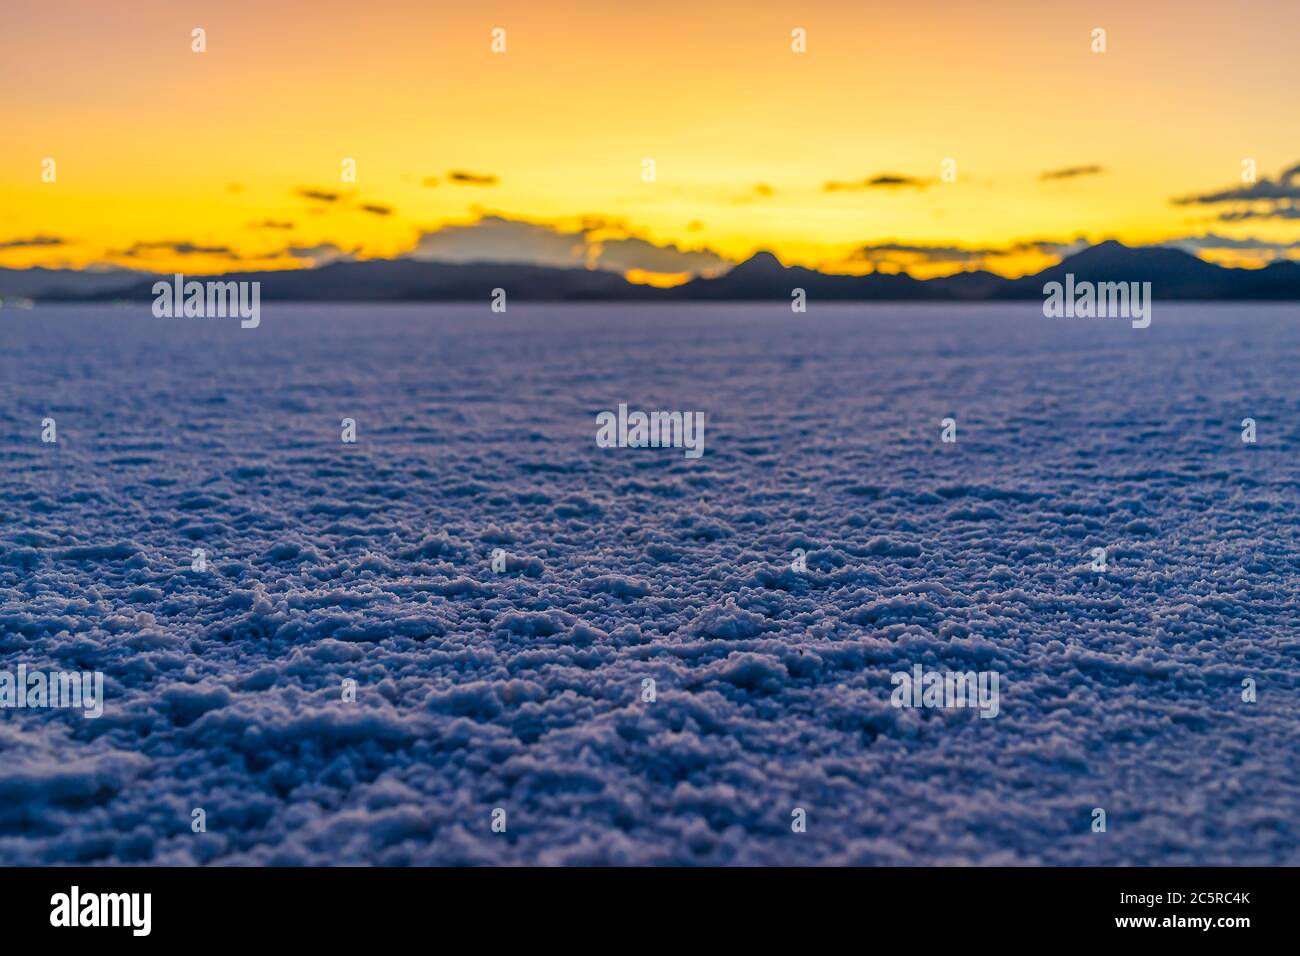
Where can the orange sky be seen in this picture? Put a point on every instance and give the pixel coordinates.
(168, 159)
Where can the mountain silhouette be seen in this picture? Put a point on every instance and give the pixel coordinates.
(1173, 274)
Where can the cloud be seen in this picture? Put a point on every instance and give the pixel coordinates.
(1286, 186)
(1263, 199)
(1250, 247)
(313, 255)
(329, 196)
(592, 244)
(882, 181)
(881, 252)
(33, 242)
(498, 239)
(1213, 241)
(176, 247)
(273, 224)
(463, 178)
(1279, 211)
(429, 181)
(899, 253)
(1264, 189)
(1049, 247)
(633, 253)
(321, 254)
(1072, 172)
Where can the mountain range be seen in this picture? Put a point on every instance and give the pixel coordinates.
(1173, 274)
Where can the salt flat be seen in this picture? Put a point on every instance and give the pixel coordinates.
(523, 690)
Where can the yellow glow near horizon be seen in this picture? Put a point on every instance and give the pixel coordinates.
(156, 144)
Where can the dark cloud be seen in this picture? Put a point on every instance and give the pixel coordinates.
(1072, 172)
(905, 255)
(1264, 189)
(471, 179)
(1050, 247)
(1263, 199)
(1258, 248)
(932, 253)
(955, 254)
(1279, 211)
(273, 224)
(32, 242)
(882, 181)
(176, 247)
(330, 196)
(318, 254)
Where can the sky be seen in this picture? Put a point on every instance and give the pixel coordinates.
(235, 158)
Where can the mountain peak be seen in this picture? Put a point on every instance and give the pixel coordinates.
(761, 261)
(1114, 254)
